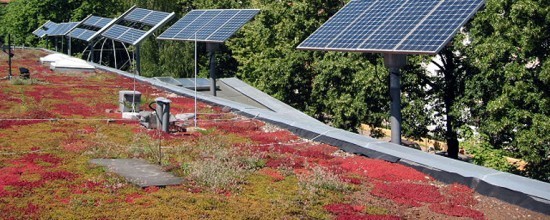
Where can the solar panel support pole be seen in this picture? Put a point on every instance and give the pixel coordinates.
(69, 44)
(212, 48)
(394, 62)
(91, 45)
(138, 59)
(9, 57)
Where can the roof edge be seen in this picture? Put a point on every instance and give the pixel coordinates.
(524, 192)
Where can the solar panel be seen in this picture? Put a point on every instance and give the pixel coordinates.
(146, 16)
(97, 22)
(132, 35)
(395, 26)
(63, 29)
(82, 34)
(209, 25)
(87, 29)
(45, 29)
(123, 33)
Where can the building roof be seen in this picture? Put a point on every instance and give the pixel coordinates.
(505, 186)
(53, 126)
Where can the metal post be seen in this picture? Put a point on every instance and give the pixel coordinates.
(114, 53)
(92, 56)
(211, 48)
(138, 59)
(9, 57)
(394, 62)
(69, 44)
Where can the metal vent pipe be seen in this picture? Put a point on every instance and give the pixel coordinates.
(163, 113)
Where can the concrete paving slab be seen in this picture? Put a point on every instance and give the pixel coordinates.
(139, 172)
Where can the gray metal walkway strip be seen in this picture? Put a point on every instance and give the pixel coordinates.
(139, 172)
(484, 180)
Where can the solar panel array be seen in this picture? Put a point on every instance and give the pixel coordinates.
(146, 16)
(45, 29)
(86, 29)
(123, 34)
(395, 26)
(63, 29)
(82, 34)
(97, 22)
(132, 35)
(209, 25)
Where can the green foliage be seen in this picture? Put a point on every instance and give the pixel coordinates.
(484, 155)
(21, 17)
(19, 81)
(498, 83)
(348, 91)
(321, 179)
(220, 166)
(509, 96)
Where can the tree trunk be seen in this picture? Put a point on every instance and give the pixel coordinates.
(449, 97)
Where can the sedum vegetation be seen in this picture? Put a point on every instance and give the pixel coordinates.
(236, 168)
(497, 83)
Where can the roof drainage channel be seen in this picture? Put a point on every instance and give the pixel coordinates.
(527, 193)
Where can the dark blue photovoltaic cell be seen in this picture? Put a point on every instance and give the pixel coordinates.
(91, 20)
(97, 22)
(63, 28)
(225, 31)
(123, 34)
(146, 16)
(362, 29)
(76, 33)
(420, 26)
(82, 34)
(182, 23)
(197, 25)
(137, 14)
(209, 25)
(130, 34)
(440, 27)
(45, 29)
(393, 30)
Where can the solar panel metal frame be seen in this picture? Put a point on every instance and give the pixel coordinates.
(144, 35)
(40, 32)
(198, 25)
(346, 23)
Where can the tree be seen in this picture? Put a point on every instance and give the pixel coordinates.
(510, 96)
(349, 90)
(24, 16)
(342, 89)
(267, 53)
